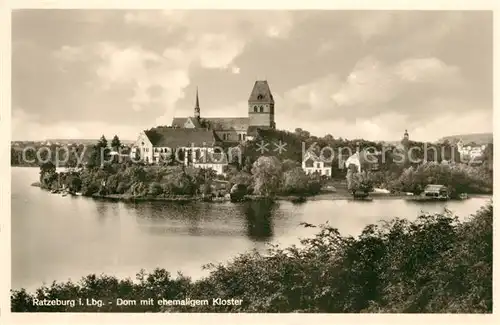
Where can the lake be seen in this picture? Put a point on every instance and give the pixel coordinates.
(60, 238)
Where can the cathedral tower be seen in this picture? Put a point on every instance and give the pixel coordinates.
(197, 106)
(261, 106)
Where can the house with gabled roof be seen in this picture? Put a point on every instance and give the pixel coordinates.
(188, 146)
(313, 163)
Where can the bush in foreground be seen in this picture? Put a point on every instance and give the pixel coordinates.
(434, 264)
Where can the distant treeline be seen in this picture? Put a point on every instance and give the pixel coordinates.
(33, 154)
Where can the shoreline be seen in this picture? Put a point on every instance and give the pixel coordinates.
(248, 198)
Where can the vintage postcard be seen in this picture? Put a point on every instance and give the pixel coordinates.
(301, 161)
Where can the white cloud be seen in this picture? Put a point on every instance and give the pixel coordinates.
(427, 70)
(235, 70)
(372, 24)
(216, 50)
(372, 82)
(274, 24)
(315, 95)
(69, 53)
(143, 70)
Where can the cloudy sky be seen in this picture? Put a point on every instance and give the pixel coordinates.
(353, 74)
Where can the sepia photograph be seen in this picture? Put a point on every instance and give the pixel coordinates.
(251, 161)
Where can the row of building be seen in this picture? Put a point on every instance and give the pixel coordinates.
(196, 136)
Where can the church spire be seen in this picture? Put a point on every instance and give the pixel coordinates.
(197, 106)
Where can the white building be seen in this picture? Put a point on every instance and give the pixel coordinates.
(192, 147)
(354, 160)
(313, 164)
(468, 152)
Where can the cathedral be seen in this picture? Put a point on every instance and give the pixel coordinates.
(236, 129)
(197, 133)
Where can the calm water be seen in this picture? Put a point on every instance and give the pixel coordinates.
(61, 238)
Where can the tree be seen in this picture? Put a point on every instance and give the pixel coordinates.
(102, 143)
(266, 175)
(359, 182)
(116, 143)
(155, 189)
(48, 167)
(328, 137)
(295, 181)
(289, 164)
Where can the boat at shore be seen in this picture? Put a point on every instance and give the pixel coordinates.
(432, 192)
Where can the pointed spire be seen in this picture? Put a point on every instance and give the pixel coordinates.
(197, 100)
(197, 105)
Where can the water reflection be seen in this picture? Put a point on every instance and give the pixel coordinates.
(102, 210)
(258, 217)
(250, 219)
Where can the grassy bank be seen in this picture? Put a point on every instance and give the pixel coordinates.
(435, 264)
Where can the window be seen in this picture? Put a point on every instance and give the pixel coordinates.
(254, 109)
(240, 137)
(259, 97)
(318, 165)
(261, 108)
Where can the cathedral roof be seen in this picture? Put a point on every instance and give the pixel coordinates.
(227, 123)
(255, 130)
(178, 137)
(179, 122)
(261, 93)
(214, 123)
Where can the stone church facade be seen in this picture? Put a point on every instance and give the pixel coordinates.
(197, 136)
(236, 129)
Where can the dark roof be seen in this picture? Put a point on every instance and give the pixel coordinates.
(227, 123)
(179, 121)
(254, 130)
(214, 123)
(195, 121)
(174, 138)
(261, 93)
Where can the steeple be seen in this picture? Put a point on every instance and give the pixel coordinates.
(261, 106)
(197, 106)
(406, 136)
